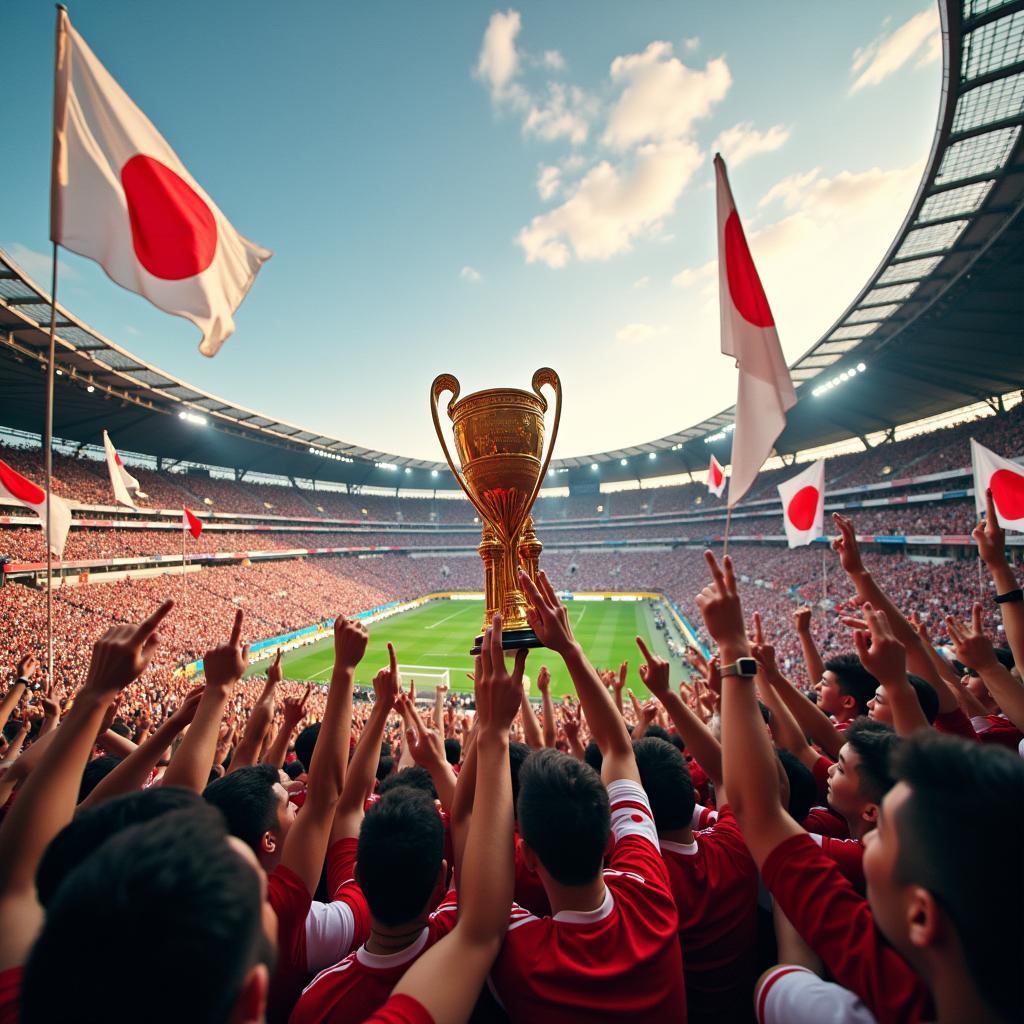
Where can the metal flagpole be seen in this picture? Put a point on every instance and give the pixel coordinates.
(824, 574)
(728, 520)
(183, 562)
(48, 442)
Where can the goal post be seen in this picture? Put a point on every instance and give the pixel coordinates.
(431, 675)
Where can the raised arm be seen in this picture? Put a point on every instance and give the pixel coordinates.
(27, 668)
(46, 802)
(751, 777)
(532, 734)
(695, 734)
(447, 979)
(426, 745)
(294, 711)
(305, 846)
(223, 667)
(991, 540)
(812, 657)
(262, 714)
(549, 619)
(544, 685)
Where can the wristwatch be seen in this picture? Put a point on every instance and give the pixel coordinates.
(745, 667)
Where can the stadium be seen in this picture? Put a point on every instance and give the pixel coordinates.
(300, 529)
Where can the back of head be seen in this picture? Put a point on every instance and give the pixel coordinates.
(965, 869)
(875, 743)
(413, 777)
(401, 843)
(91, 828)
(926, 697)
(452, 750)
(95, 772)
(305, 743)
(564, 815)
(247, 800)
(517, 754)
(655, 731)
(167, 892)
(803, 790)
(665, 777)
(854, 680)
(593, 756)
(385, 766)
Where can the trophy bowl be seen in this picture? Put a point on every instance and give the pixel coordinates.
(499, 440)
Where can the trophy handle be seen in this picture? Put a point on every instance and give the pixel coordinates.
(449, 382)
(545, 375)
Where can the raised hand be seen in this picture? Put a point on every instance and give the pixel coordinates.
(274, 672)
(719, 604)
(990, 536)
(619, 681)
(183, 716)
(878, 649)
(28, 666)
(764, 652)
(802, 619)
(350, 640)
(225, 665)
(846, 546)
(543, 679)
(387, 683)
(122, 654)
(499, 693)
(548, 617)
(654, 672)
(970, 644)
(294, 708)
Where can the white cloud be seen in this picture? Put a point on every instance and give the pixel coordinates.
(692, 43)
(498, 62)
(549, 181)
(553, 60)
(642, 282)
(789, 190)
(39, 265)
(637, 334)
(567, 113)
(917, 37)
(692, 277)
(742, 141)
(470, 274)
(611, 207)
(662, 96)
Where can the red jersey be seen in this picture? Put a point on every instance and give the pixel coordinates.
(703, 817)
(401, 1009)
(997, 729)
(291, 901)
(618, 962)
(714, 881)
(352, 990)
(956, 723)
(838, 925)
(794, 995)
(10, 994)
(849, 857)
(825, 822)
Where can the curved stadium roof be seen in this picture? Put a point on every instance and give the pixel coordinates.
(939, 323)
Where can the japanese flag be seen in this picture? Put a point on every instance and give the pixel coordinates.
(190, 522)
(1006, 479)
(20, 489)
(120, 479)
(120, 196)
(803, 504)
(716, 477)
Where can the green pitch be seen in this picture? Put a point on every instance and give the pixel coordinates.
(439, 635)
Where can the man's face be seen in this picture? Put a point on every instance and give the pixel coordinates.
(830, 700)
(844, 784)
(879, 709)
(881, 850)
(286, 812)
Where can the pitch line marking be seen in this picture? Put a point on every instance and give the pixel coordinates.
(434, 625)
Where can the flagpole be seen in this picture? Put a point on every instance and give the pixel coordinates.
(48, 442)
(183, 567)
(824, 574)
(728, 520)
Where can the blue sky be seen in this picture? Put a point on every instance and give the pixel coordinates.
(484, 190)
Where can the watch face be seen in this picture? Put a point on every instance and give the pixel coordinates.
(746, 667)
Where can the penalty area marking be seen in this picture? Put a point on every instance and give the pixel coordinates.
(461, 611)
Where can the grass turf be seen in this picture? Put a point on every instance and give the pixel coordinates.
(439, 634)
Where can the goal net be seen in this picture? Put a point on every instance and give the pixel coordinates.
(426, 676)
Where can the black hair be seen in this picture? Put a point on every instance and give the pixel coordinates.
(385, 766)
(803, 790)
(926, 696)
(305, 742)
(414, 777)
(874, 743)
(401, 843)
(965, 868)
(92, 827)
(655, 731)
(677, 741)
(564, 815)
(854, 679)
(293, 769)
(517, 754)
(247, 800)
(665, 777)
(145, 895)
(452, 750)
(95, 772)
(593, 756)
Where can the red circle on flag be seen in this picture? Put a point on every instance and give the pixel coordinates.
(174, 232)
(716, 475)
(744, 285)
(803, 508)
(18, 487)
(1008, 493)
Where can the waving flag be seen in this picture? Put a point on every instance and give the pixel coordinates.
(120, 479)
(765, 390)
(1006, 480)
(20, 489)
(191, 522)
(716, 477)
(120, 196)
(803, 504)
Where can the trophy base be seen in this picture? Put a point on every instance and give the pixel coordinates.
(511, 640)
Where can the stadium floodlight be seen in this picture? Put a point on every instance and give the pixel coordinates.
(652, 455)
(433, 472)
(90, 389)
(193, 418)
(593, 466)
(623, 462)
(408, 469)
(861, 367)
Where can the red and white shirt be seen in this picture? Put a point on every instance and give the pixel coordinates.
(359, 985)
(794, 995)
(618, 962)
(714, 881)
(838, 925)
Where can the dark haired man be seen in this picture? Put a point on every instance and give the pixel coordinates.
(844, 689)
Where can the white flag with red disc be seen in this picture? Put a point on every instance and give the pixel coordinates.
(1006, 481)
(20, 489)
(716, 477)
(803, 504)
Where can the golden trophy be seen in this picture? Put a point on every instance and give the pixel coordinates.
(499, 438)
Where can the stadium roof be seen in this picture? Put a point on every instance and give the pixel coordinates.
(937, 325)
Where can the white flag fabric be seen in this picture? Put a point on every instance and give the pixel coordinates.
(765, 389)
(19, 488)
(803, 504)
(1006, 480)
(716, 477)
(120, 479)
(120, 196)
